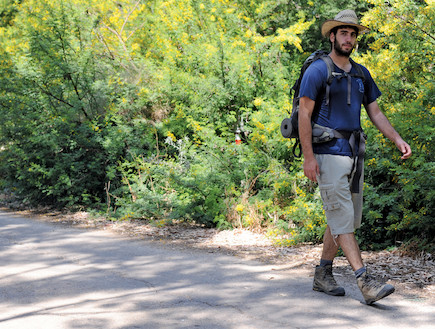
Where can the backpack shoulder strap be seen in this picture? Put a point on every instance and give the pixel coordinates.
(330, 67)
(359, 70)
(311, 59)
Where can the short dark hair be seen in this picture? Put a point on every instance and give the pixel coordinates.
(335, 29)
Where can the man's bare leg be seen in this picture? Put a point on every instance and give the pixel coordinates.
(330, 247)
(347, 242)
(350, 247)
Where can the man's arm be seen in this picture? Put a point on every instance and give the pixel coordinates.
(383, 124)
(311, 167)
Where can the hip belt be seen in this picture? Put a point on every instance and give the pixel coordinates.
(357, 140)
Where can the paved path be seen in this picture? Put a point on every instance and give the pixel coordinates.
(55, 277)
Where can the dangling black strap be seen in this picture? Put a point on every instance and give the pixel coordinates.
(349, 87)
(357, 138)
(298, 143)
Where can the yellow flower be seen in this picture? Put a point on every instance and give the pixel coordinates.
(239, 208)
(172, 136)
(258, 102)
(248, 220)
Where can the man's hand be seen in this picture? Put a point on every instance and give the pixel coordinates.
(404, 148)
(311, 169)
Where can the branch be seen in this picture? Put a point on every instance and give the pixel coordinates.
(128, 16)
(48, 93)
(132, 32)
(103, 41)
(122, 43)
(416, 25)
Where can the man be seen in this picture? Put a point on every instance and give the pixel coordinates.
(334, 164)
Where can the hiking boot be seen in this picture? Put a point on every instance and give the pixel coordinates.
(373, 290)
(324, 281)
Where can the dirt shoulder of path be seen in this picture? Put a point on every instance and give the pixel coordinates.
(413, 276)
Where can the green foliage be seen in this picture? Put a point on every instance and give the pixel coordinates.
(8, 10)
(399, 194)
(131, 107)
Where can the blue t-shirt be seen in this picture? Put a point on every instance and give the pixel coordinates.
(338, 115)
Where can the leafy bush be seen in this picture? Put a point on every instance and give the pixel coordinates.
(132, 107)
(399, 194)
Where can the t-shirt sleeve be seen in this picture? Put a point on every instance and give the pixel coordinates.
(372, 91)
(312, 81)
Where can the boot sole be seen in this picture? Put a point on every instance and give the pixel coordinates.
(335, 292)
(382, 294)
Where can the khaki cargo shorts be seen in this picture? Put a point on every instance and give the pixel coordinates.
(343, 209)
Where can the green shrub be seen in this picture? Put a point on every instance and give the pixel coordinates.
(132, 108)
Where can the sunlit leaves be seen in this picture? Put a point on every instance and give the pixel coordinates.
(104, 99)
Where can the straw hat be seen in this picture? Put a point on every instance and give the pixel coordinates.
(345, 17)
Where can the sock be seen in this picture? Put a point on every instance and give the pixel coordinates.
(360, 272)
(324, 262)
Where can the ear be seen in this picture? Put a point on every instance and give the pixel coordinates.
(331, 37)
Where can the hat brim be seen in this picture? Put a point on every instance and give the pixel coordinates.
(328, 25)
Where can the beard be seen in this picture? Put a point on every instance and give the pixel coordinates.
(341, 52)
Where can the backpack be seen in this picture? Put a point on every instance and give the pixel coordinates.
(321, 134)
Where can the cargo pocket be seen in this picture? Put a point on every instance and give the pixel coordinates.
(329, 197)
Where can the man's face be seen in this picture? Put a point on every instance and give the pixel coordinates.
(344, 41)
